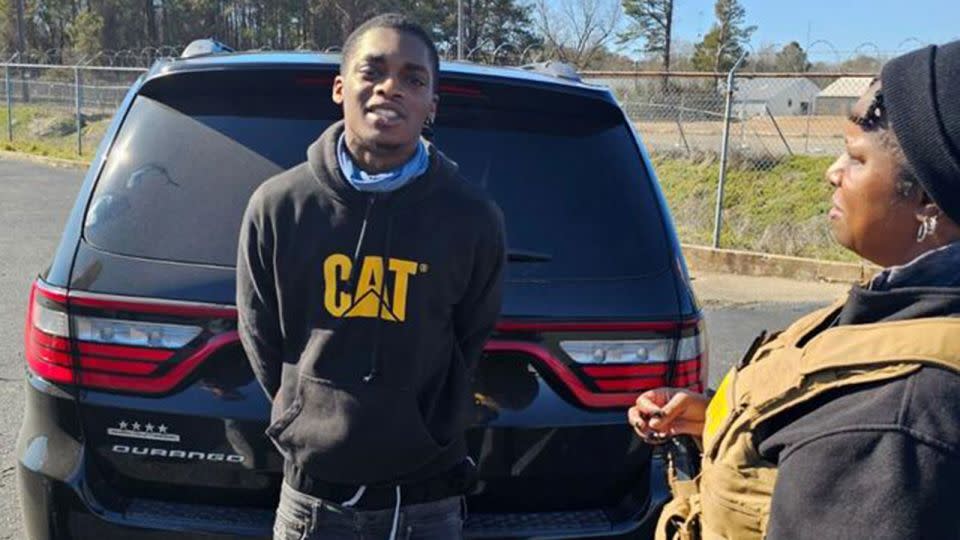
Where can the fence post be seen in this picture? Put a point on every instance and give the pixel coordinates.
(77, 100)
(683, 136)
(8, 88)
(25, 85)
(724, 150)
(777, 127)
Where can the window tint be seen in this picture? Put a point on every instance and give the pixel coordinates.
(577, 194)
(175, 186)
(570, 181)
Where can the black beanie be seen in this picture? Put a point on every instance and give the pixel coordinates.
(921, 92)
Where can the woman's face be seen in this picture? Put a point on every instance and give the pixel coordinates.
(869, 216)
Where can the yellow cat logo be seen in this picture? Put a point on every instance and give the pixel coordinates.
(365, 301)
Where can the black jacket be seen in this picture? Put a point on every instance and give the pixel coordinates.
(880, 461)
(363, 316)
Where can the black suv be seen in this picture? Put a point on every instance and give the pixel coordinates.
(143, 418)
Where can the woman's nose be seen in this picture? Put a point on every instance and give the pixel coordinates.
(834, 173)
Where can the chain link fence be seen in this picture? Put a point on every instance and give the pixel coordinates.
(61, 111)
(784, 131)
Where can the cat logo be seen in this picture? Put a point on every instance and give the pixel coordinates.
(365, 301)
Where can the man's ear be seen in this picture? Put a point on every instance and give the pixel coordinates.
(337, 94)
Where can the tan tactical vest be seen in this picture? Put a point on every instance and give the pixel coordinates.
(730, 499)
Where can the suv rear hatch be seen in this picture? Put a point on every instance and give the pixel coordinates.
(170, 409)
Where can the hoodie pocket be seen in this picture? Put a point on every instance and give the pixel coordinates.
(275, 429)
(354, 433)
(445, 406)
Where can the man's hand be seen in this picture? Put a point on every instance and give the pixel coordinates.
(666, 412)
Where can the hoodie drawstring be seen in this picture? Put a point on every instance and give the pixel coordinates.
(356, 498)
(381, 302)
(375, 352)
(352, 277)
(396, 517)
(396, 509)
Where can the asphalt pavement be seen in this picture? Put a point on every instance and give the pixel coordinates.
(34, 203)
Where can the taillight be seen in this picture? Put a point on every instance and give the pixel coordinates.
(623, 360)
(108, 343)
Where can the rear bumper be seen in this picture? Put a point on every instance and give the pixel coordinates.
(55, 510)
(63, 498)
(58, 509)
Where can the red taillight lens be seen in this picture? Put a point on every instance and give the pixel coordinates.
(46, 344)
(119, 352)
(685, 374)
(610, 372)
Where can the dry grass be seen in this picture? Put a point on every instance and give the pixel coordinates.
(792, 126)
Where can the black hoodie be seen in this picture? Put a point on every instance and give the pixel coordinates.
(363, 316)
(880, 461)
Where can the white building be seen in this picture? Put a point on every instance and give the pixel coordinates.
(788, 96)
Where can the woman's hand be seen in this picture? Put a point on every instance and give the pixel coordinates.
(666, 412)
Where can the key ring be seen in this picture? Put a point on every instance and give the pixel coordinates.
(655, 439)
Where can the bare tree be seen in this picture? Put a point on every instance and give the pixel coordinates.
(576, 30)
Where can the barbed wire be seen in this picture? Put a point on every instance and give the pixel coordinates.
(109, 58)
(486, 51)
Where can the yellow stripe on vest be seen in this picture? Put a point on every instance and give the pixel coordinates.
(719, 408)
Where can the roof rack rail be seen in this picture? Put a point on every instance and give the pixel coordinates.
(552, 68)
(204, 47)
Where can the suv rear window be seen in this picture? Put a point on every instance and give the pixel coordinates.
(569, 178)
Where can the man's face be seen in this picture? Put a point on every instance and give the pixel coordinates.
(386, 91)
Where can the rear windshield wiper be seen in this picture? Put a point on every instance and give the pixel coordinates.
(526, 255)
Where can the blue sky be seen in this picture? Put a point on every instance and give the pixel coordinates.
(863, 26)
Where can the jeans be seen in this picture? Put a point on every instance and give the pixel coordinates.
(303, 517)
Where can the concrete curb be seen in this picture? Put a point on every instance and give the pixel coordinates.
(57, 162)
(747, 263)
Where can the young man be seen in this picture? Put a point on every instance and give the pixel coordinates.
(368, 279)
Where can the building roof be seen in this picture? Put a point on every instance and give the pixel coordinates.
(847, 87)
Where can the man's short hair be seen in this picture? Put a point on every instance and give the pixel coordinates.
(400, 23)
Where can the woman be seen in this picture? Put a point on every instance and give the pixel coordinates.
(847, 423)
